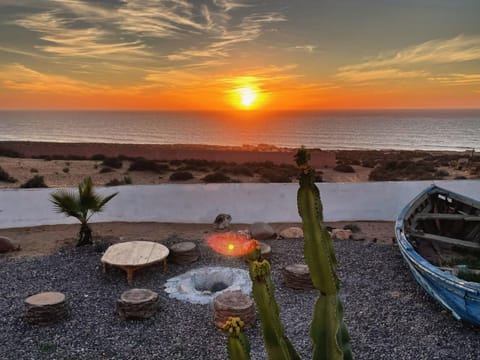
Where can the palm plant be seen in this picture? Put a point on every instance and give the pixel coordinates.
(81, 206)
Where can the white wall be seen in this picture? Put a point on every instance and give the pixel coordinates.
(247, 203)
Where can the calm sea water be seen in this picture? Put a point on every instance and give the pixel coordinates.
(422, 130)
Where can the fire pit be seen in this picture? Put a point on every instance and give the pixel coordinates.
(201, 286)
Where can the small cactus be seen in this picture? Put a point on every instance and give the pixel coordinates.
(277, 344)
(238, 345)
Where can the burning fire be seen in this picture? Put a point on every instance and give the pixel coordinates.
(231, 244)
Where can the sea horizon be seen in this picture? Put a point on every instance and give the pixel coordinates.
(365, 129)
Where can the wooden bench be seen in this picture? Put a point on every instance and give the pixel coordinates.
(445, 239)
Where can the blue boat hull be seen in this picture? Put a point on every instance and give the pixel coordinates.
(461, 297)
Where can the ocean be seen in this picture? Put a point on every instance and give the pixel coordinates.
(455, 130)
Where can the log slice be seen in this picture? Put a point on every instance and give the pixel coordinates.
(235, 304)
(184, 253)
(137, 304)
(297, 276)
(45, 308)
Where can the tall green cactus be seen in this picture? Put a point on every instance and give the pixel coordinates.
(328, 332)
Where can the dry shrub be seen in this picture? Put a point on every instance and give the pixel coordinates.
(142, 164)
(217, 177)
(181, 176)
(344, 168)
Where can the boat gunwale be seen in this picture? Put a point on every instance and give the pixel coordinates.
(412, 256)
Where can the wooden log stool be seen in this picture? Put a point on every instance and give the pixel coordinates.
(297, 276)
(45, 308)
(233, 303)
(184, 253)
(137, 304)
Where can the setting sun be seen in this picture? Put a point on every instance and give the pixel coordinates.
(248, 96)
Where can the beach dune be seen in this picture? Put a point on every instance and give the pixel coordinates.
(170, 152)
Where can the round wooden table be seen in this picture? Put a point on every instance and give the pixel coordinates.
(134, 255)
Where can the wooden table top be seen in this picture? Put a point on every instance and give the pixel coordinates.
(135, 253)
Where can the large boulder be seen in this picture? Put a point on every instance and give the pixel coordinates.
(293, 232)
(6, 245)
(261, 231)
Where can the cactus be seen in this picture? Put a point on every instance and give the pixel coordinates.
(277, 344)
(238, 345)
(328, 332)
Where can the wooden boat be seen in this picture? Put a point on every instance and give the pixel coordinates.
(438, 234)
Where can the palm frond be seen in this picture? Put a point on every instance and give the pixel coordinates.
(66, 202)
(79, 205)
(102, 200)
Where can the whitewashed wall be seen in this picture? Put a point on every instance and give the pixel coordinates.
(246, 203)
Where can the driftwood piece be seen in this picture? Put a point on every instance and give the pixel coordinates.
(235, 304)
(184, 253)
(45, 308)
(297, 276)
(137, 304)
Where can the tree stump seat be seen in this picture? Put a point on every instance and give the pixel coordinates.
(45, 308)
(297, 276)
(184, 253)
(137, 304)
(235, 304)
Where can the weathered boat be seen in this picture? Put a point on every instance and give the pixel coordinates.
(438, 234)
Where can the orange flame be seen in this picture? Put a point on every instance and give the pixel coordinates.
(231, 244)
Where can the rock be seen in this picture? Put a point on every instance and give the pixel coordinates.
(235, 304)
(293, 232)
(222, 221)
(341, 234)
(137, 304)
(6, 245)
(245, 233)
(261, 231)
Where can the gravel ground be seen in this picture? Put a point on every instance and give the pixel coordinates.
(388, 315)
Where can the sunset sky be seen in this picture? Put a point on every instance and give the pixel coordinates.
(228, 54)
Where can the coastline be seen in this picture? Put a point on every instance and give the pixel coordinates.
(66, 164)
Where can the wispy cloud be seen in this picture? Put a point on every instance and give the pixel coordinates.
(19, 51)
(20, 77)
(126, 31)
(458, 79)
(63, 37)
(228, 5)
(458, 49)
(224, 36)
(265, 77)
(307, 48)
(380, 74)
(413, 61)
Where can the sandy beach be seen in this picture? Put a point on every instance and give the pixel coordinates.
(65, 165)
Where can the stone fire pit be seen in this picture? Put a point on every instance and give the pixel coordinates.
(203, 285)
